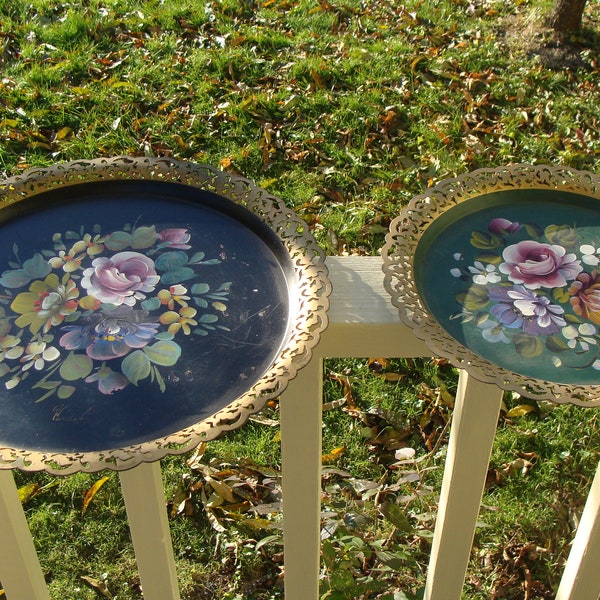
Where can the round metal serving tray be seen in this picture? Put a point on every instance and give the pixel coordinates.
(145, 305)
(498, 271)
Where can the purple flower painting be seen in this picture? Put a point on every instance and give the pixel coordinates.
(535, 289)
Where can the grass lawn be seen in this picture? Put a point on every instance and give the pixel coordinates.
(345, 109)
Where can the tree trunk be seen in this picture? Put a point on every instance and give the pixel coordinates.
(566, 15)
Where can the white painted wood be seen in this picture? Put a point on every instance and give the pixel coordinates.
(362, 319)
(471, 437)
(581, 579)
(20, 570)
(147, 515)
(362, 322)
(301, 412)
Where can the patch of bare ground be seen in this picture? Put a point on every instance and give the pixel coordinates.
(528, 34)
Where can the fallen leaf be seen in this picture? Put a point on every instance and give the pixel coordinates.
(27, 492)
(98, 585)
(91, 493)
(222, 489)
(333, 455)
(345, 381)
(393, 377)
(520, 410)
(63, 133)
(378, 364)
(519, 465)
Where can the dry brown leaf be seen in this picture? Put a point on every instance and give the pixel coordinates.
(345, 381)
(98, 585)
(222, 489)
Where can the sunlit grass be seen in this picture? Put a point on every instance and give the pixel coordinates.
(346, 111)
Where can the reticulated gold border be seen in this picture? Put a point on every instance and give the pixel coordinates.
(399, 250)
(308, 314)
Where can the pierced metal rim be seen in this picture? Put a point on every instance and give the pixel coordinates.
(307, 324)
(399, 277)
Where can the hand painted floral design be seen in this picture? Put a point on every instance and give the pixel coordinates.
(106, 309)
(538, 265)
(535, 289)
(120, 279)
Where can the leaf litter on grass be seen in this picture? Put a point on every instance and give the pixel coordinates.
(345, 109)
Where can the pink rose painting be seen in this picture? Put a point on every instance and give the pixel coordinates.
(536, 265)
(121, 279)
(585, 296)
(528, 287)
(175, 238)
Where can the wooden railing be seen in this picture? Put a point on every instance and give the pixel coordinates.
(362, 323)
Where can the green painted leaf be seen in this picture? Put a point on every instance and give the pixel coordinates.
(151, 304)
(171, 260)
(528, 346)
(177, 275)
(489, 257)
(143, 237)
(164, 335)
(76, 366)
(136, 366)
(118, 240)
(475, 298)
(485, 241)
(65, 391)
(533, 230)
(14, 279)
(208, 318)
(197, 257)
(556, 343)
(159, 379)
(47, 385)
(37, 266)
(200, 288)
(573, 319)
(163, 353)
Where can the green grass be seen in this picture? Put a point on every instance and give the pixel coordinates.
(346, 110)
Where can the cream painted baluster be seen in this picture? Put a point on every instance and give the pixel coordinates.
(301, 409)
(362, 322)
(471, 437)
(147, 515)
(581, 580)
(20, 570)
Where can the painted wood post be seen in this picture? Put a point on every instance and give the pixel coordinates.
(20, 569)
(471, 437)
(147, 515)
(301, 411)
(581, 580)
